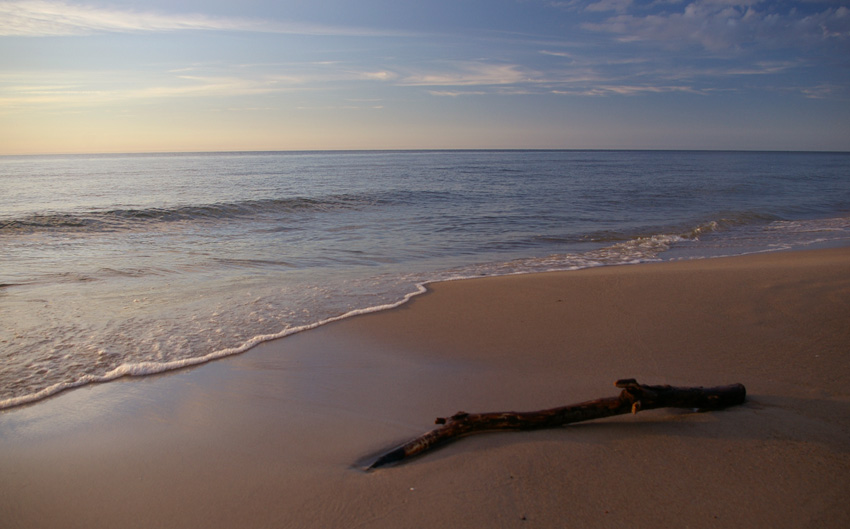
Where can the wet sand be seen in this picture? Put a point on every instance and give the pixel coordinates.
(277, 437)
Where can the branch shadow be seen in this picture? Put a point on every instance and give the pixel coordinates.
(762, 418)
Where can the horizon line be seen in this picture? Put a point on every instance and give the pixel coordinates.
(401, 150)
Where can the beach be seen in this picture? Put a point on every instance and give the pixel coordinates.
(278, 436)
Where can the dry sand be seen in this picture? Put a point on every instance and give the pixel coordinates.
(274, 437)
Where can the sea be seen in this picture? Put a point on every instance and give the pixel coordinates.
(119, 265)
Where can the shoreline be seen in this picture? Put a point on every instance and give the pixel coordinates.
(273, 436)
(145, 369)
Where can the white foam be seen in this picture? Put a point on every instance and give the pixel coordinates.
(151, 368)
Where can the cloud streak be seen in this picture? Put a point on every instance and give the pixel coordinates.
(470, 74)
(92, 88)
(85, 90)
(721, 25)
(41, 18)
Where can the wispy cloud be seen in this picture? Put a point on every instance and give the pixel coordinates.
(469, 73)
(626, 90)
(577, 79)
(565, 54)
(457, 93)
(93, 88)
(825, 92)
(718, 25)
(34, 18)
(380, 75)
(619, 6)
(82, 89)
(333, 108)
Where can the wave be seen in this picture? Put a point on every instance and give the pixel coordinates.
(98, 274)
(727, 222)
(690, 231)
(129, 218)
(613, 247)
(139, 369)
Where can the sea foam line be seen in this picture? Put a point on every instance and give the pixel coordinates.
(140, 369)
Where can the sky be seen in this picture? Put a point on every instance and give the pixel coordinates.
(214, 75)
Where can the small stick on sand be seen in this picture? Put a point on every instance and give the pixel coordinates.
(633, 398)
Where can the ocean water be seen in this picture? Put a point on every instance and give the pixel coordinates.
(116, 265)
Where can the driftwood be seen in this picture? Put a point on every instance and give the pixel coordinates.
(633, 398)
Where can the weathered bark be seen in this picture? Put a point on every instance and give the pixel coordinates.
(633, 398)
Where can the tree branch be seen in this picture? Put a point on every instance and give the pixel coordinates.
(633, 398)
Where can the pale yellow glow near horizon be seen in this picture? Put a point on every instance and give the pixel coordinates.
(83, 132)
(187, 125)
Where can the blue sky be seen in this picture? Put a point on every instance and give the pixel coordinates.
(134, 76)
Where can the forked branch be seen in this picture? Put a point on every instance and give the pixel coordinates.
(633, 398)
